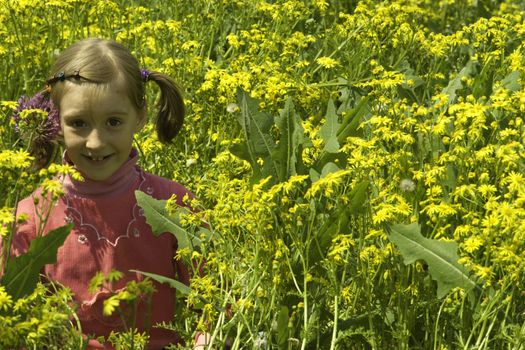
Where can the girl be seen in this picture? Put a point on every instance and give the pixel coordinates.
(97, 91)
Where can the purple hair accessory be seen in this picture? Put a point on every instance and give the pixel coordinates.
(40, 130)
(144, 74)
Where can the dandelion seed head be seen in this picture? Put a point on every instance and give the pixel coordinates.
(260, 342)
(232, 108)
(407, 185)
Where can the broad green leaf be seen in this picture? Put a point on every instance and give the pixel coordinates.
(338, 221)
(256, 126)
(181, 287)
(358, 197)
(456, 84)
(314, 174)
(484, 80)
(282, 328)
(352, 120)
(281, 159)
(242, 151)
(440, 256)
(287, 150)
(22, 272)
(328, 131)
(323, 236)
(161, 221)
(512, 81)
(329, 168)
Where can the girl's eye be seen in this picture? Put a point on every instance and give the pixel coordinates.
(78, 123)
(114, 122)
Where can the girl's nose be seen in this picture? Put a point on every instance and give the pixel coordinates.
(95, 139)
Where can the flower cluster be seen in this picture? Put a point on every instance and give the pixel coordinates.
(37, 120)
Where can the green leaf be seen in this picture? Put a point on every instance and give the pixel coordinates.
(96, 282)
(286, 152)
(337, 221)
(512, 81)
(22, 272)
(110, 304)
(441, 257)
(329, 168)
(161, 221)
(259, 143)
(352, 120)
(181, 287)
(455, 84)
(357, 197)
(323, 236)
(328, 131)
(282, 328)
(484, 80)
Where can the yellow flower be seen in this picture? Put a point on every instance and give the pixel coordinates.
(340, 247)
(472, 244)
(53, 187)
(327, 183)
(14, 159)
(8, 105)
(327, 62)
(6, 302)
(322, 5)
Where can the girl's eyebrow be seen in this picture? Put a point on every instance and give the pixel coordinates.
(77, 113)
(72, 114)
(118, 112)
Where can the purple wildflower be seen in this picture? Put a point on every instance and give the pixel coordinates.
(41, 130)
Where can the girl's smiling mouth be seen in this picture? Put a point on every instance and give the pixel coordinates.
(97, 159)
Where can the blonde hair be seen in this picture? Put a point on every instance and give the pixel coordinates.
(101, 62)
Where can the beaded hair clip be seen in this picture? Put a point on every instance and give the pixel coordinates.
(61, 76)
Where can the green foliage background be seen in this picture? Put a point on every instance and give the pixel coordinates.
(372, 113)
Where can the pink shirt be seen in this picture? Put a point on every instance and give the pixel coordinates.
(110, 233)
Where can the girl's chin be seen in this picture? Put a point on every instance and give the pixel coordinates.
(99, 170)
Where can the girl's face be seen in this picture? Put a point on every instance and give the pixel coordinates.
(98, 125)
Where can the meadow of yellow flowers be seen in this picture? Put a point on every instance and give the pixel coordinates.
(381, 120)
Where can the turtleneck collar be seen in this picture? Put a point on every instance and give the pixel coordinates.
(123, 179)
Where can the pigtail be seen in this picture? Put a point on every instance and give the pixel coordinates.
(171, 110)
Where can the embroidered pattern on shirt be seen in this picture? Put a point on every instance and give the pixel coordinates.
(136, 211)
(82, 239)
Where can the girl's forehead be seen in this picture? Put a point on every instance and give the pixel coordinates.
(79, 97)
(93, 91)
